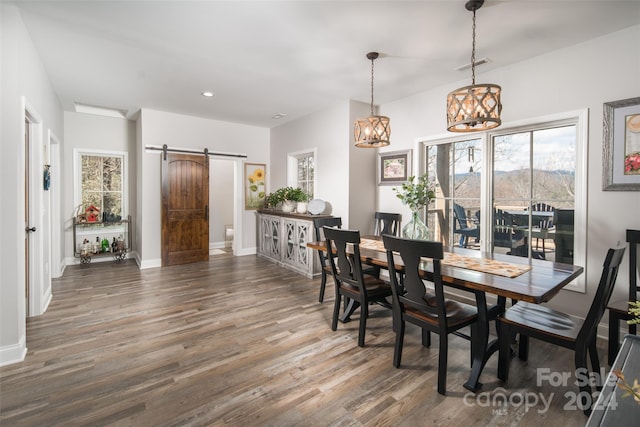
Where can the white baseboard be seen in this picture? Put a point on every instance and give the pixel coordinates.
(246, 251)
(13, 353)
(216, 245)
(150, 263)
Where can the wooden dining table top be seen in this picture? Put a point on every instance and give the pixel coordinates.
(539, 284)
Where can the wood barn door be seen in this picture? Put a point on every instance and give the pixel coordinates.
(185, 208)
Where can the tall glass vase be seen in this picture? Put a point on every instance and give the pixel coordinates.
(415, 229)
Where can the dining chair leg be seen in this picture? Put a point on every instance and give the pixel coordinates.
(523, 347)
(323, 284)
(336, 312)
(614, 336)
(595, 362)
(442, 364)
(585, 389)
(426, 337)
(397, 351)
(364, 313)
(504, 352)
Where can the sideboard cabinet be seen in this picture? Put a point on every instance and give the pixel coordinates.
(283, 237)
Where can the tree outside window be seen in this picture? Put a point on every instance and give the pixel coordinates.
(102, 183)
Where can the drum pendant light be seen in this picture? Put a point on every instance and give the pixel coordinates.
(477, 107)
(373, 131)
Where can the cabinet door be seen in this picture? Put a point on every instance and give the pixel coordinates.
(270, 236)
(303, 231)
(290, 239)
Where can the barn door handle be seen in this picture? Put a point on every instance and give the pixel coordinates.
(32, 229)
(206, 212)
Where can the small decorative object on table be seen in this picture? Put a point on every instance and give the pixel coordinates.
(316, 206)
(416, 195)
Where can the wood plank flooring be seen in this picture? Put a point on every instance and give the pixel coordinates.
(239, 341)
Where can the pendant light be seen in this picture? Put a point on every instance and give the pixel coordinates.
(373, 131)
(477, 107)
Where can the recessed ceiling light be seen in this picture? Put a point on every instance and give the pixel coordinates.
(207, 93)
(278, 116)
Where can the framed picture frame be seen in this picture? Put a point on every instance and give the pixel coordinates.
(394, 167)
(255, 189)
(621, 145)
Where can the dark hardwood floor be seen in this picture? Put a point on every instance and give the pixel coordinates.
(240, 341)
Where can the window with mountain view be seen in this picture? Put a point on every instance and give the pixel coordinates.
(524, 205)
(534, 189)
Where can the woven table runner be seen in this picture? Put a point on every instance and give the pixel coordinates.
(499, 268)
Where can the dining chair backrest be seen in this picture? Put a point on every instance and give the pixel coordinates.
(345, 267)
(412, 253)
(387, 223)
(603, 294)
(318, 223)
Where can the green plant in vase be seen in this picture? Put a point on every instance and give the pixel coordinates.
(416, 194)
(287, 197)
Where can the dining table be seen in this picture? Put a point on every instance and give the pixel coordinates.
(481, 273)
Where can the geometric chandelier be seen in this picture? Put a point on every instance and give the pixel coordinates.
(373, 131)
(477, 107)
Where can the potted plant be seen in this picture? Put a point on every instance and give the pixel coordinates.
(288, 197)
(416, 195)
(301, 198)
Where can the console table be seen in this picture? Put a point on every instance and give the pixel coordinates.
(283, 238)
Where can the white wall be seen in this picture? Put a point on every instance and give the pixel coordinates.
(179, 131)
(583, 76)
(91, 132)
(23, 77)
(343, 173)
(362, 174)
(221, 179)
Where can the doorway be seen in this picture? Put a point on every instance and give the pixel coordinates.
(37, 217)
(221, 202)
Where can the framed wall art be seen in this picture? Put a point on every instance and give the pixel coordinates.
(254, 185)
(394, 167)
(621, 145)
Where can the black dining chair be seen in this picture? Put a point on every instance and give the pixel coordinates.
(325, 268)
(387, 223)
(619, 309)
(430, 311)
(562, 329)
(349, 278)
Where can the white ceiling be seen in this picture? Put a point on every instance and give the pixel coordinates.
(261, 58)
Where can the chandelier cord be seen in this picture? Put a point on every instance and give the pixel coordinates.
(372, 59)
(473, 51)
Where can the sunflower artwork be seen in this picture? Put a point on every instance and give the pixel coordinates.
(254, 193)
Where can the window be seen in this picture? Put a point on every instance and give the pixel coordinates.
(302, 171)
(533, 177)
(456, 168)
(100, 181)
(532, 201)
